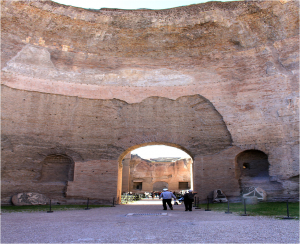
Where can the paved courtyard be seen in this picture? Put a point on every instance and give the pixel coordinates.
(144, 222)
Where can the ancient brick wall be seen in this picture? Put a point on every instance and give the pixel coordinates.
(212, 79)
(95, 179)
(154, 176)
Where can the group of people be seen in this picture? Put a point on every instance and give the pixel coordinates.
(188, 199)
(155, 194)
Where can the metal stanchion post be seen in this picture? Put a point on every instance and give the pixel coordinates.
(245, 214)
(207, 209)
(50, 208)
(287, 209)
(113, 203)
(87, 204)
(197, 205)
(195, 202)
(228, 212)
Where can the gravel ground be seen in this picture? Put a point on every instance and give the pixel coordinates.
(114, 225)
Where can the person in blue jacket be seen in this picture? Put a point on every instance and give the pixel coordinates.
(167, 198)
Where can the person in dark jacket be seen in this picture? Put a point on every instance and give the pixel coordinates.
(188, 200)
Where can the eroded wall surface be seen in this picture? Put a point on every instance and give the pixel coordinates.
(215, 79)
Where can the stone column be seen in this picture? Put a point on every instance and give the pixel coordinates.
(126, 173)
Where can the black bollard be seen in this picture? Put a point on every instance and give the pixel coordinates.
(50, 208)
(113, 203)
(287, 209)
(195, 202)
(87, 204)
(207, 205)
(245, 214)
(228, 212)
(197, 205)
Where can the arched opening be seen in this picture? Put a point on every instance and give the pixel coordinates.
(252, 170)
(189, 123)
(57, 170)
(253, 164)
(151, 168)
(160, 185)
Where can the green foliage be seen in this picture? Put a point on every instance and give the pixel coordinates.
(274, 209)
(36, 208)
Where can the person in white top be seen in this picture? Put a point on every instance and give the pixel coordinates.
(167, 198)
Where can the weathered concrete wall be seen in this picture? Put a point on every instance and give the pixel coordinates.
(209, 78)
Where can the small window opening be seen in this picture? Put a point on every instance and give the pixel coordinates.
(246, 166)
(137, 185)
(183, 185)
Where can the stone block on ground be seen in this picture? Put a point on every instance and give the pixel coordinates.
(251, 200)
(29, 198)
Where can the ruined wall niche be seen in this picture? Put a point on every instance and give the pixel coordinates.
(252, 163)
(57, 168)
(252, 170)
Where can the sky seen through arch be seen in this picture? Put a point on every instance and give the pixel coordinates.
(132, 4)
(156, 151)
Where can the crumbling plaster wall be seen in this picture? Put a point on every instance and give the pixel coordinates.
(67, 79)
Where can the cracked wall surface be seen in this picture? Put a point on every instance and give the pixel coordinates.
(213, 79)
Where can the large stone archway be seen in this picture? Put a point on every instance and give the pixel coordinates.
(106, 131)
(190, 123)
(141, 175)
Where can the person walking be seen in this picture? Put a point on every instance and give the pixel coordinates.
(188, 200)
(167, 198)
